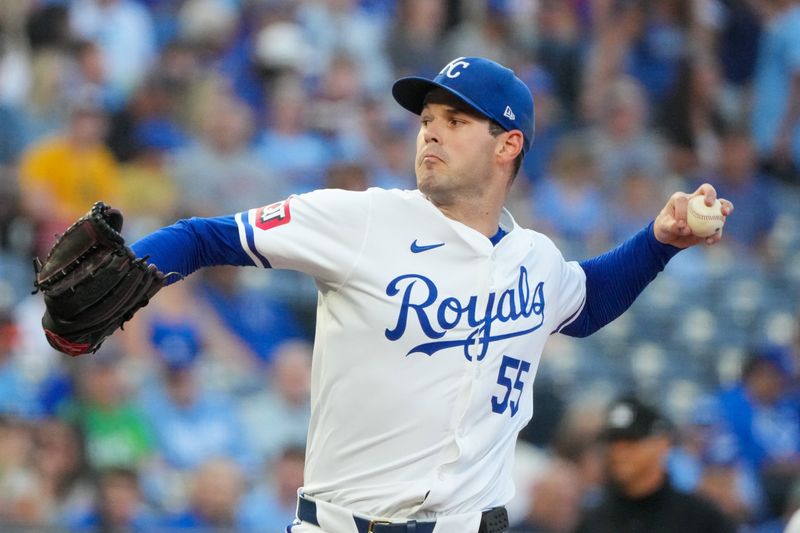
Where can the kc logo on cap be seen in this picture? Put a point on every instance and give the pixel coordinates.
(452, 69)
(488, 87)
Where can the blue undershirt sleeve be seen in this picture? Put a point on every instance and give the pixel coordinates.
(615, 278)
(191, 244)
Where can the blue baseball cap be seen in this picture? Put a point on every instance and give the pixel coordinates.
(488, 87)
(177, 344)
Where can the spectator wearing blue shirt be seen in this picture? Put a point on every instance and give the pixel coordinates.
(278, 415)
(126, 35)
(287, 146)
(621, 139)
(191, 425)
(739, 180)
(389, 167)
(738, 42)
(11, 142)
(764, 419)
(561, 51)
(569, 201)
(216, 490)
(706, 459)
(661, 43)
(414, 43)
(17, 396)
(91, 71)
(551, 122)
(119, 506)
(639, 195)
(776, 87)
(257, 316)
(65, 485)
(332, 28)
(724, 481)
(270, 505)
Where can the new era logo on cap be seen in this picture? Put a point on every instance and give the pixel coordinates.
(490, 88)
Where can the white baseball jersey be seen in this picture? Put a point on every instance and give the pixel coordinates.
(427, 342)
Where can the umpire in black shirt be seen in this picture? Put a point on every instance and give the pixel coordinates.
(638, 496)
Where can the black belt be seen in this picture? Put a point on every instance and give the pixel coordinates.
(492, 521)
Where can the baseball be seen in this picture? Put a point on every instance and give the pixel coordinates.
(704, 221)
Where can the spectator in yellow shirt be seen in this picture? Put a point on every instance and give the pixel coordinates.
(62, 176)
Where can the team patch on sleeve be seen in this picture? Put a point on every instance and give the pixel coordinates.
(273, 215)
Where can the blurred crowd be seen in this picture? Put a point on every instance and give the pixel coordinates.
(194, 418)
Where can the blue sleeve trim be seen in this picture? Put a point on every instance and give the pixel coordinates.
(615, 279)
(189, 245)
(251, 240)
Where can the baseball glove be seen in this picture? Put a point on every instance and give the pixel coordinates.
(92, 282)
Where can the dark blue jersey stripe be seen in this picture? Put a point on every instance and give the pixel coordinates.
(571, 317)
(251, 241)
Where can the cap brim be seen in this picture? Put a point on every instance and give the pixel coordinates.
(411, 92)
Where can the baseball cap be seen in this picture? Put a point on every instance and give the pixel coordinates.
(777, 356)
(177, 344)
(488, 87)
(628, 418)
(159, 134)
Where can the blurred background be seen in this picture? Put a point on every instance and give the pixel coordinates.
(194, 418)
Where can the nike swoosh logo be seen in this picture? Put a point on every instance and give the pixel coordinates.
(417, 248)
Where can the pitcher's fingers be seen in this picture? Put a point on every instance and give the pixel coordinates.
(727, 206)
(708, 191)
(680, 205)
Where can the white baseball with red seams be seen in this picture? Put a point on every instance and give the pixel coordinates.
(704, 220)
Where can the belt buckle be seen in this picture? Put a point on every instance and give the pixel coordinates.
(373, 523)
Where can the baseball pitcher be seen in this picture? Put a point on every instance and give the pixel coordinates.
(434, 307)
